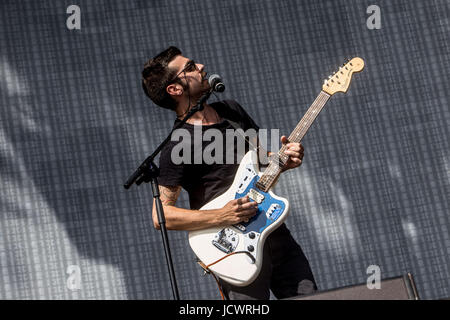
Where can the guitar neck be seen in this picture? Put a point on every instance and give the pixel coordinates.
(273, 170)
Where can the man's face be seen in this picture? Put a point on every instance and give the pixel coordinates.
(190, 73)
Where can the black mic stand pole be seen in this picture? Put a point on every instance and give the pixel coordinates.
(149, 172)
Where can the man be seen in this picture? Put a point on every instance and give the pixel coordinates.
(175, 82)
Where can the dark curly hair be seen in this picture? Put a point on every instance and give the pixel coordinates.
(156, 76)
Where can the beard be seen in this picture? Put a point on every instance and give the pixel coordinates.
(196, 89)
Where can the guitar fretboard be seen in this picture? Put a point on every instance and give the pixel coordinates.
(278, 161)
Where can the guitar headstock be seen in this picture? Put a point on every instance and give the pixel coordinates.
(340, 80)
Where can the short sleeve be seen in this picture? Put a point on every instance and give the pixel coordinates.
(170, 174)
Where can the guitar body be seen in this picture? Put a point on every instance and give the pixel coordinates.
(210, 245)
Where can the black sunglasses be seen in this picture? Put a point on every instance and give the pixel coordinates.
(189, 67)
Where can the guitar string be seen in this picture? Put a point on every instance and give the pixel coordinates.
(273, 170)
(258, 147)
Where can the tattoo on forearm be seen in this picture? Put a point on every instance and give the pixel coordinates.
(169, 195)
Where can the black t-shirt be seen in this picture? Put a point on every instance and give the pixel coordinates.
(204, 182)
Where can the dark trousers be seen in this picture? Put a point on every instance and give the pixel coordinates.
(285, 271)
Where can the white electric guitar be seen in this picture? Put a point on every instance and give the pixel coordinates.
(235, 253)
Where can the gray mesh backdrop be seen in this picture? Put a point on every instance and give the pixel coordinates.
(373, 189)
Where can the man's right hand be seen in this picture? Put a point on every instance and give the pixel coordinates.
(238, 210)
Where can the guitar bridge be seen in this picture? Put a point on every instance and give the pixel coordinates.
(226, 240)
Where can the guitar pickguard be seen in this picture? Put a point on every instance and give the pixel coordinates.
(269, 210)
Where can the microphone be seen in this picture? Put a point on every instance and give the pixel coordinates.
(215, 82)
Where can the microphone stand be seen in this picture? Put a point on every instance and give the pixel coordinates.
(149, 172)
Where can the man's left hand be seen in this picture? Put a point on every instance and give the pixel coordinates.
(295, 151)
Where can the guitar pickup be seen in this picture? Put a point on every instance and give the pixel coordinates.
(255, 196)
(273, 211)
